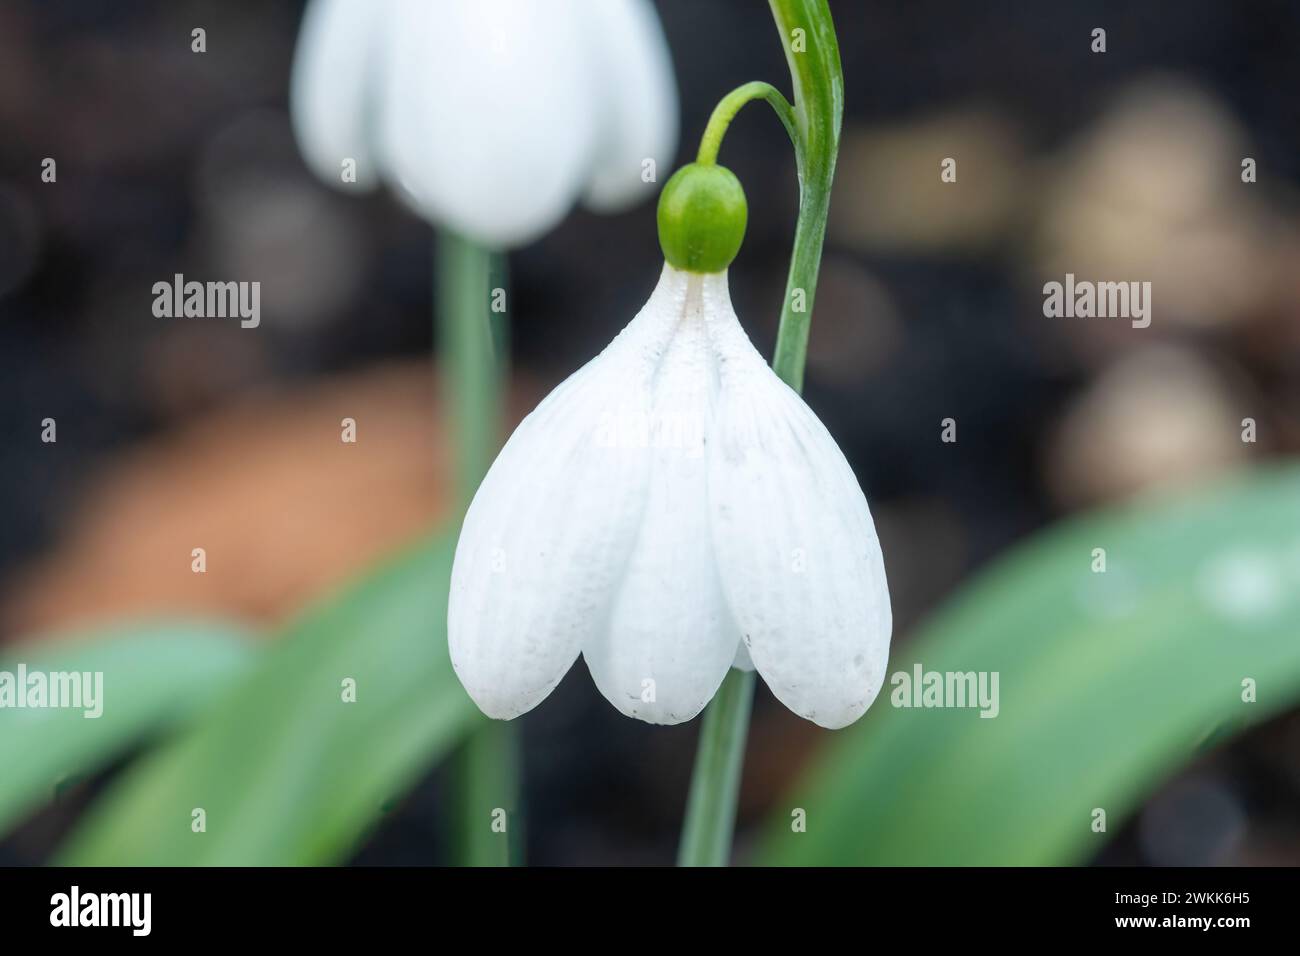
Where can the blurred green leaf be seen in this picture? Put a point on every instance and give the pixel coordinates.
(1108, 683)
(286, 771)
(155, 673)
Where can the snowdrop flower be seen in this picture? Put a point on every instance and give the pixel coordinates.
(491, 117)
(671, 510)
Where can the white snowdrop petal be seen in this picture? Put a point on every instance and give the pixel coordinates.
(639, 92)
(548, 535)
(488, 124)
(797, 550)
(670, 639)
(331, 89)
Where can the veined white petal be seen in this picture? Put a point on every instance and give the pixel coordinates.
(333, 88)
(670, 638)
(488, 125)
(639, 118)
(797, 549)
(548, 535)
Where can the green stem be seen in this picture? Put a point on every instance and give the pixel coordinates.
(715, 782)
(818, 111)
(730, 105)
(471, 374)
(808, 36)
(483, 770)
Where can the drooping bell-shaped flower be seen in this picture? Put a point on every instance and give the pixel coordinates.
(490, 117)
(671, 510)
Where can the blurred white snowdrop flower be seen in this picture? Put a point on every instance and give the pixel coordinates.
(490, 117)
(661, 565)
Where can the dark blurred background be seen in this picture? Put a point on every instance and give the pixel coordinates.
(1123, 165)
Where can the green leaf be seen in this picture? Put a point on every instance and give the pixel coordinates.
(286, 771)
(1108, 683)
(155, 673)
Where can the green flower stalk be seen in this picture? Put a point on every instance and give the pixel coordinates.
(483, 772)
(813, 124)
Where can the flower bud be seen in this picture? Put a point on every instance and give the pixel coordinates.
(702, 217)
